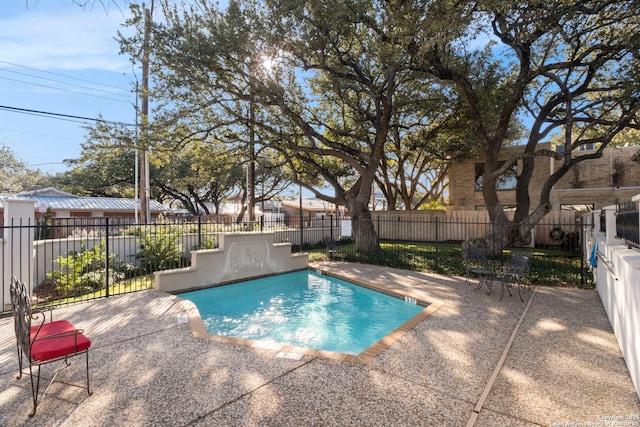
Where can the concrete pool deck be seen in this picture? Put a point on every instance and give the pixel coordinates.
(552, 360)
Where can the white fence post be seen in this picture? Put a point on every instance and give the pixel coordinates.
(610, 218)
(596, 222)
(636, 200)
(18, 244)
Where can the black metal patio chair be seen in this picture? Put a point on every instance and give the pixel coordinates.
(516, 272)
(332, 248)
(45, 342)
(477, 263)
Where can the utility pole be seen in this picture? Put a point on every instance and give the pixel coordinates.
(137, 160)
(252, 164)
(144, 161)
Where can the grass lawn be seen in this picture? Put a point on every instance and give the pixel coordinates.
(549, 267)
(123, 287)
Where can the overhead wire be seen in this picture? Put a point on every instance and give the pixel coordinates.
(109, 89)
(48, 135)
(62, 83)
(65, 90)
(60, 116)
(110, 92)
(62, 75)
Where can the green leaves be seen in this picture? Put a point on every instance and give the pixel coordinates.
(16, 176)
(367, 90)
(84, 271)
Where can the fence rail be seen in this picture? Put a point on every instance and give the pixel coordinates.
(628, 222)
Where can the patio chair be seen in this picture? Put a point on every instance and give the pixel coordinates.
(476, 262)
(332, 247)
(45, 342)
(516, 272)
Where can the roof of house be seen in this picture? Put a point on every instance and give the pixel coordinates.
(52, 198)
(230, 208)
(311, 204)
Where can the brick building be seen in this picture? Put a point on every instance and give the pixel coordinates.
(595, 183)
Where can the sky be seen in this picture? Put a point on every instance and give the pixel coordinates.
(57, 57)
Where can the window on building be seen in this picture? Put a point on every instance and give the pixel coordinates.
(587, 147)
(506, 181)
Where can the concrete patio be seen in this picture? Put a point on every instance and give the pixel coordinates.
(552, 360)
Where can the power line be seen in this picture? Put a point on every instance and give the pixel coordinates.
(63, 82)
(65, 90)
(59, 115)
(45, 116)
(48, 163)
(62, 75)
(41, 134)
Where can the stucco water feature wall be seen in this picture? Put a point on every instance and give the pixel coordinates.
(240, 256)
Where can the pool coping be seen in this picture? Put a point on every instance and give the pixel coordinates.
(199, 330)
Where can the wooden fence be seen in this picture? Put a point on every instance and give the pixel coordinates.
(456, 226)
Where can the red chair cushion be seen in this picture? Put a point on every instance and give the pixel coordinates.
(57, 327)
(51, 348)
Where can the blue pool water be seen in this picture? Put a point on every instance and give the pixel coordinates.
(303, 309)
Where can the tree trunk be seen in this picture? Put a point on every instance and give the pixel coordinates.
(497, 237)
(362, 228)
(243, 208)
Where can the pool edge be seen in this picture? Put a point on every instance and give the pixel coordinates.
(199, 330)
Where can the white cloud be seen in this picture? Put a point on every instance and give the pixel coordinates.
(63, 38)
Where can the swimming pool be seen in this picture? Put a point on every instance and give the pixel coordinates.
(303, 309)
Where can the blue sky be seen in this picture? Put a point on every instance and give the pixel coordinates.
(60, 58)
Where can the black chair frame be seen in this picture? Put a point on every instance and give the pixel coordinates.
(64, 340)
(516, 272)
(477, 262)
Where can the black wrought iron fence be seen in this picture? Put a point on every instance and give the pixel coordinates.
(628, 222)
(88, 258)
(434, 244)
(603, 221)
(397, 232)
(76, 259)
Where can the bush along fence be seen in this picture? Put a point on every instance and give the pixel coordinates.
(76, 260)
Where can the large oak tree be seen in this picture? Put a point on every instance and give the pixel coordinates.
(350, 88)
(335, 89)
(570, 66)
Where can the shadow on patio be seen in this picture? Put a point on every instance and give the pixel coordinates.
(148, 369)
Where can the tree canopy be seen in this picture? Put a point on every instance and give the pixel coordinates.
(16, 176)
(335, 98)
(367, 91)
(570, 66)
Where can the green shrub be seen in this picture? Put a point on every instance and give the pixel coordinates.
(84, 270)
(159, 252)
(210, 243)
